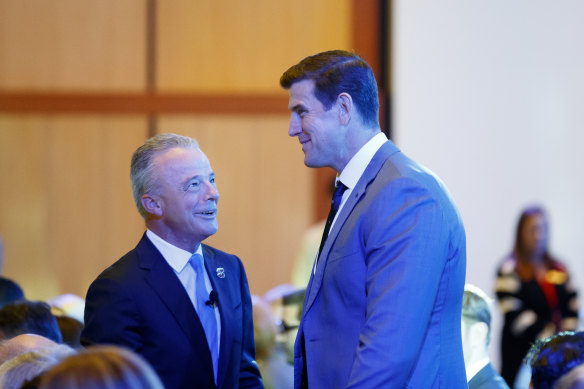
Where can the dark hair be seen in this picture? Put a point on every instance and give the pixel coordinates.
(10, 292)
(335, 72)
(71, 329)
(528, 212)
(555, 356)
(29, 317)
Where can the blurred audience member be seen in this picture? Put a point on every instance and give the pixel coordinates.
(534, 292)
(29, 317)
(291, 314)
(25, 367)
(476, 336)
(304, 261)
(21, 344)
(101, 367)
(264, 331)
(286, 304)
(10, 292)
(70, 330)
(68, 305)
(573, 380)
(554, 357)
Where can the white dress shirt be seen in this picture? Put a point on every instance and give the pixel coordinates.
(178, 259)
(354, 170)
(357, 165)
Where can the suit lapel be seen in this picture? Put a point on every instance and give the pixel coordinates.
(360, 189)
(166, 284)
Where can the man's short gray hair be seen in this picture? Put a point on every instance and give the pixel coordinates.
(142, 169)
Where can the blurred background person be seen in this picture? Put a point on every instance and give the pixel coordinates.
(554, 357)
(292, 304)
(68, 310)
(28, 366)
(68, 304)
(476, 336)
(10, 292)
(102, 367)
(265, 330)
(534, 292)
(70, 330)
(21, 344)
(29, 317)
(286, 317)
(286, 302)
(573, 380)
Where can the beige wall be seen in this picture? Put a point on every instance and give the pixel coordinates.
(66, 210)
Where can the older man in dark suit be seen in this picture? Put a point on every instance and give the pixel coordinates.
(181, 304)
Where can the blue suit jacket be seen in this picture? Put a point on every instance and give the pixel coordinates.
(139, 303)
(383, 309)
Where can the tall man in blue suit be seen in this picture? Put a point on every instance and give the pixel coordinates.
(182, 305)
(383, 304)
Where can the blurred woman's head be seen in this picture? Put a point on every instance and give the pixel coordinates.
(532, 234)
(102, 367)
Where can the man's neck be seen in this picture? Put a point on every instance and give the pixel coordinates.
(354, 143)
(475, 366)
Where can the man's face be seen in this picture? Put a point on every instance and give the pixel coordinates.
(187, 196)
(317, 130)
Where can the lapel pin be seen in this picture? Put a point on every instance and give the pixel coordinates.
(220, 272)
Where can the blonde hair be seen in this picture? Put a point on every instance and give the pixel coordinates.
(26, 366)
(102, 367)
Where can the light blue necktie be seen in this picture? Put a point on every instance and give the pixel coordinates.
(205, 312)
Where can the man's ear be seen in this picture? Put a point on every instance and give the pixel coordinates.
(479, 332)
(151, 204)
(345, 104)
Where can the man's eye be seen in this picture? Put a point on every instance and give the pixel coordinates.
(212, 180)
(193, 184)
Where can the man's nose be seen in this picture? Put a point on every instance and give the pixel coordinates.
(212, 192)
(295, 128)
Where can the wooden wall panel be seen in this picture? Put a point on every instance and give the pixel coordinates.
(67, 210)
(71, 44)
(243, 46)
(266, 191)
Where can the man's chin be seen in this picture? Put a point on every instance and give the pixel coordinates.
(311, 163)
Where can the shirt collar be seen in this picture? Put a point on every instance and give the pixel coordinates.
(176, 257)
(357, 165)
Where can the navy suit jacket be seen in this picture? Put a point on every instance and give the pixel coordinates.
(139, 303)
(384, 306)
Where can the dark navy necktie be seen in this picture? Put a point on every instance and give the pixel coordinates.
(337, 198)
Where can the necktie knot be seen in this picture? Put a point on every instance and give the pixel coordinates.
(340, 188)
(338, 195)
(197, 263)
